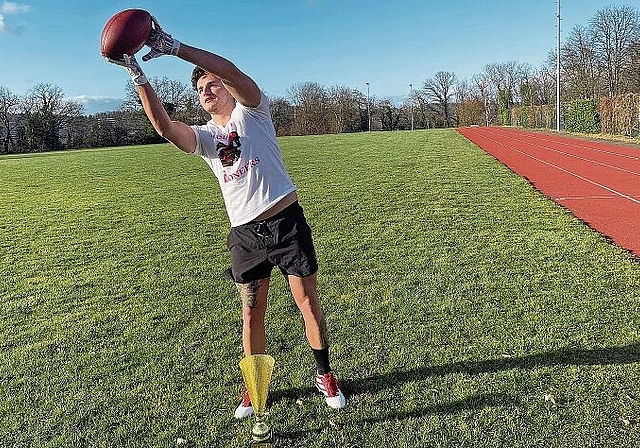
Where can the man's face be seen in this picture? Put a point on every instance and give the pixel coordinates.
(213, 96)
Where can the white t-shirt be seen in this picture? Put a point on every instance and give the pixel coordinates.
(247, 160)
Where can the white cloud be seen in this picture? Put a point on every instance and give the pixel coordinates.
(14, 8)
(11, 8)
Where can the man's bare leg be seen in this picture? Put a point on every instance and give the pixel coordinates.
(254, 306)
(304, 290)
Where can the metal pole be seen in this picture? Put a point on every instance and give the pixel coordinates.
(558, 72)
(368, 107)
(411, 103)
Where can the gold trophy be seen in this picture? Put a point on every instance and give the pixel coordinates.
(256, 371)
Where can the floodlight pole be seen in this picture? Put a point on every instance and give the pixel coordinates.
(411, 103)
(368, 107)
(558, 72)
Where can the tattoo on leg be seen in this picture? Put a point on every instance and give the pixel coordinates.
(249, 292)
(323, 333)
(322, 330)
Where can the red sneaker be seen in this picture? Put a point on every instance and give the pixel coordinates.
(327, 384)
(244, 409)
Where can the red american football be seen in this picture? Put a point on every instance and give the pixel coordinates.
(125, 33)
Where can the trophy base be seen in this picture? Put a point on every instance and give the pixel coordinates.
(261, 433)
(261, 439)
(260, 444)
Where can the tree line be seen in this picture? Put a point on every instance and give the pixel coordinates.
(598, 60)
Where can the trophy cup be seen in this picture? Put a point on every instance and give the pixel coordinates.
(256, 371)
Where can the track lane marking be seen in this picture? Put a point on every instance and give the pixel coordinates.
(582, 146)
(595, 162)
(630, 198)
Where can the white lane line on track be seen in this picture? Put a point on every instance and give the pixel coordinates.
(634, 200)
(595, 162)
(577, 198)
(582, 146)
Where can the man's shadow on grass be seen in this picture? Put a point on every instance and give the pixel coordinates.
(476, 402)
(627, 354)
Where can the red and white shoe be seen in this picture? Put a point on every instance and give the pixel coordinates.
(244, 409)
(327, 384)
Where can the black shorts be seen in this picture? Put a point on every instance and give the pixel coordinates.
(284, 240)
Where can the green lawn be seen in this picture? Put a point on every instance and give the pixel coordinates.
(464, 308)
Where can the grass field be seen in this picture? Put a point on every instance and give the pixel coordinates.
(464, 308)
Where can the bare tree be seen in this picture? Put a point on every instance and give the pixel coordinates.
(616, 31)
(344, 106)
(635, 68)
(389, 115)
(580, 74)
(546, 80)
(311, 108)
(48, 117)
(175, 95)
(10, 105)
(528, 89)
(506, 77)
(281, 115)
(462, 91)
(469, 107)
(422, 112)
(71, 124)
(439, 91)
(482, 85)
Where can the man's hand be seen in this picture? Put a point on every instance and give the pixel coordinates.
(160, 42)
(132, 67)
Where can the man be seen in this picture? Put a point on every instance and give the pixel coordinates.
(268, 227)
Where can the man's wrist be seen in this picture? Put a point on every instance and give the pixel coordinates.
(175, 47)
(139, 79)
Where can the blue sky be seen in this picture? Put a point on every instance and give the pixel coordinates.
(388, 43)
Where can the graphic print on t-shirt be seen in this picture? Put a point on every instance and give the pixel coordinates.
(229, 152)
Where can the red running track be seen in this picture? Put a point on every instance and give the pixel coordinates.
(598, 182)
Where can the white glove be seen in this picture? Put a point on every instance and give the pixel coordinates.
(160, 42)
(132, 67)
